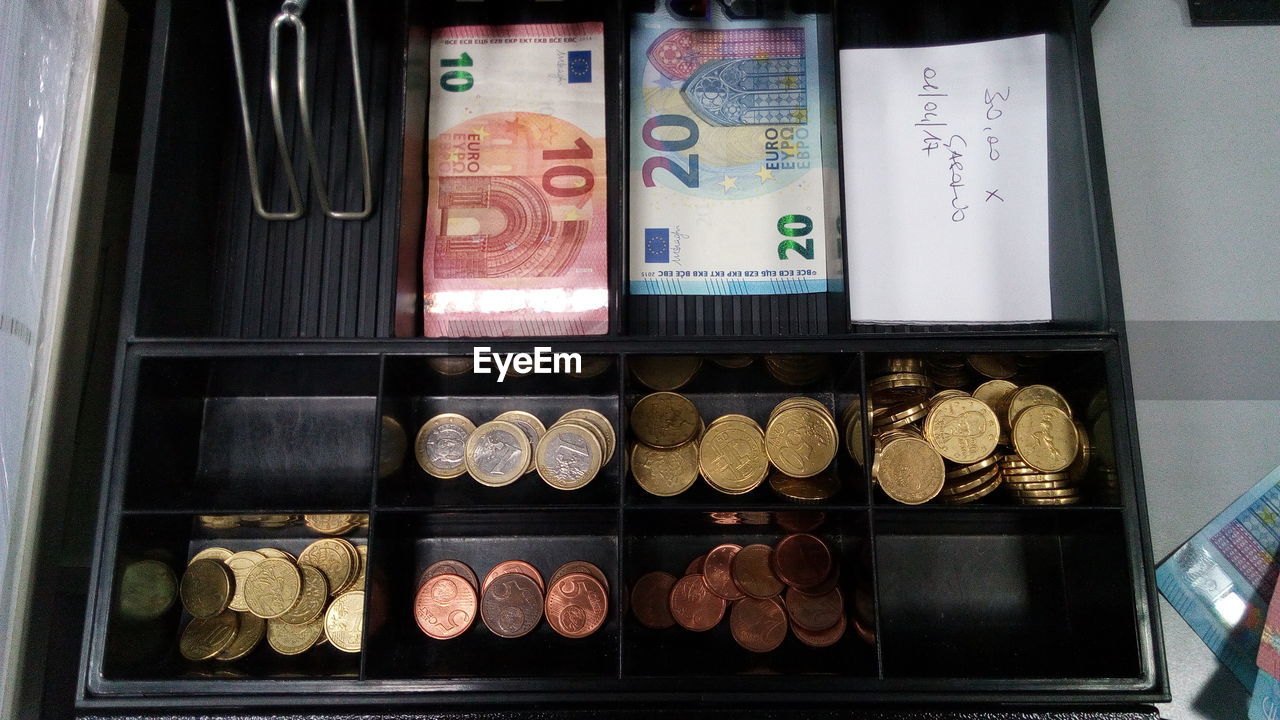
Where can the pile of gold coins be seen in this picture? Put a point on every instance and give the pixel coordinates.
(512, 600)
(672, 372)
(791, 587)
(567, 456)
(733, 454)
(960, 446)
(236, 599)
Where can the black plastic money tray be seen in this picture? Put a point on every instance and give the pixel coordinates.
(261, 362)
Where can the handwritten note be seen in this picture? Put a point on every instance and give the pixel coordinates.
(946, 182)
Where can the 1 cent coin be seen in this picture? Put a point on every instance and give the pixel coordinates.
(717, 570)
(752, 571)
(694, 606)
(802, 560)
(758, 625)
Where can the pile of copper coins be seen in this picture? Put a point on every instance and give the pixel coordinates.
(567, 455)
(236, 599)
(672, 372)
(512, 600)
(935, 439)
(733, 455)
(792, 587)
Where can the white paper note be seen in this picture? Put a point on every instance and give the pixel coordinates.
(946, 182)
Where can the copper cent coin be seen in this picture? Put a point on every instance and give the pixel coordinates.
(511, 605)
(451, 567)
(802, 560)
(694, 606)
(513, 566)
(758, 625)
(815, 613)
(718, 571)
(696, 567)
(580, 566)
(824, 638)
(864, 632)
(445, 606)
(651, 600)
(752, 572)
(577, 605)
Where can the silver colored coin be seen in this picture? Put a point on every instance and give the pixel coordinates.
(497, 453)
(568, 457)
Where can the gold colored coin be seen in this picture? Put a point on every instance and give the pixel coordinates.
(207, 588)
(1047, 492)
(1073, 500)
(335, 558)
(219, 522)
(220, 554)
(147, 589)
(911, 471)
(1045, 438)
(960, 487)
(665, 420)
(204, 638)
(332, 523)
(362, 552)
(440, 446)
(601, 423)
(344, 621)
(289, 639)
(273, 588)
(312, 597)
(1016, 487)
(817, 488)
(732, 457)
(665, 472)
(801, 442)
(392, 445)
(1000, 367)
(241, 563)
(497, 453)
(975, 494)
(450, 364)
(732, 362)
(532, 427)
(568, 456)
(276, 553)
(248, 635)
(665, 372)
(979, 467)
(1080, 466)
(1031, 395)
(996, 394)
(962, 429)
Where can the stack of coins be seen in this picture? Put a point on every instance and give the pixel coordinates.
(512, 600)
(733, 454)
(767, 591)
(235, 599)
(567, 456)
(322, 523)
(666, 373)
(796, 370)
(960, 446)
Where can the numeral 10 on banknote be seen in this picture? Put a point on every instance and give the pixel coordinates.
(457, 80)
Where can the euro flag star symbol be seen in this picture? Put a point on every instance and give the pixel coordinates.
(454, 156)
(765, 174)
(572, 215)
(790, 82)
(483, 132)
(728, 183)
(1268, 517)
(800, 116)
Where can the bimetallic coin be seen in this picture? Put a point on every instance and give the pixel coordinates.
(451, 567)
(497, 453)
(392, 445)
(148, 589)
(441, 445)
(651, 600)
(204, 638)
(576, 605)
(344, 621)
(445, 606)
(911, 471)
(665, 420)
(758, 625)
(249, 633)
(1032, 395)
(802, 560)
(241, 563)
(732, 456)
(664, 372)
(962, 429)
(568, 457)
(532, 427)
(519, 567)
(1045, 438)
(752, 571)
(511, 606)
(694, 606)
(312, 597)
(273, 586)
(665, 472)
(601, 423)
(288, 639)
(801, 441)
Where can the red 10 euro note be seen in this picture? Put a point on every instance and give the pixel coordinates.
(515, 226)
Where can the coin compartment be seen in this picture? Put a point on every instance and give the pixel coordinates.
(754, 392)
(251, 433)
(408, 542)
(1082, 379)
(668, 540)
(1050, 590)
(414, 392)
(148, 650)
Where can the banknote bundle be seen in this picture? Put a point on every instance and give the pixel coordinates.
(733, 175)
(515, 218)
